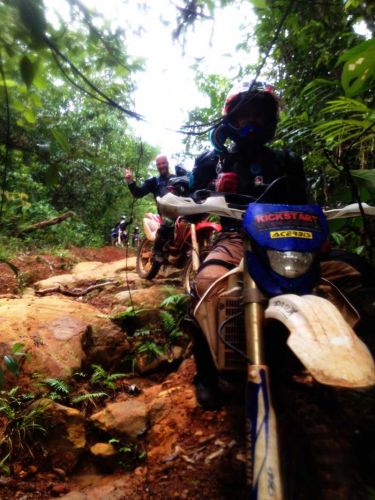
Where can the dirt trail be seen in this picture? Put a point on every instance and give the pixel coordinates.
(186, 452)
(33, 267)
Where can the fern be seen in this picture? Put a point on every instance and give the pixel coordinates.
(6, 409)
(90, 396)
(352, 119)
(168, 322)
(175, 302)
(151, 349)
(101, 377)
(59, 386)
(130, 313)
(115, 376)
(4, 466)
(98, 375)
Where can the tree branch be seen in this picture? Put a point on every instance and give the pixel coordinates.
(46, 223)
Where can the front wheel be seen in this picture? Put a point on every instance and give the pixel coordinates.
(146, 267)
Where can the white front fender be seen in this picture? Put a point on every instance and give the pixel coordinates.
(323, 341)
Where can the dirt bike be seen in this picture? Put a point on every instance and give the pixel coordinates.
(264, 317)
(119, 234)
(191, 243)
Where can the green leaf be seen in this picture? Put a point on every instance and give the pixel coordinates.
(12, 365)
(352, 3)
(8, 83)
(28, 70)
(17, 348)
(36, 100)
(29, 116)
(57, 385)
(355, 51)
(32, 16)
(359, 68)
(61, 139)
(89, 396)
(365, 178)
(259, 4)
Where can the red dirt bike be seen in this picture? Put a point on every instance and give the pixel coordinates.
(191, 243)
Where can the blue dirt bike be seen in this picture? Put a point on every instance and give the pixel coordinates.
(269, 319)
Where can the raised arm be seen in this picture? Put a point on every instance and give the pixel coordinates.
(139, 191)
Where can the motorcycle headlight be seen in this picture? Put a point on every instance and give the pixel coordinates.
(290, 264)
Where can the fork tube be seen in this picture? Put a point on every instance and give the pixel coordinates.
(254, 316)
(195, 247)
(263, 469)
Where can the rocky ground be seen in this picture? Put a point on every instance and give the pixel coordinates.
(126, 424)
(149, 437)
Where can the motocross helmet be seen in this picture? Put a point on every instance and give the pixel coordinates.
(250, 115)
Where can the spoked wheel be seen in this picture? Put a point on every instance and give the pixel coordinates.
(147, 268)
(188, 273)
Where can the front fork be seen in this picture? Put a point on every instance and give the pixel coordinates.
(263, 468)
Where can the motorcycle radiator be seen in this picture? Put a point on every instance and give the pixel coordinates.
(231, 325)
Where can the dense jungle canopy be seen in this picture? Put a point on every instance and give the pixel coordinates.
(66, 93)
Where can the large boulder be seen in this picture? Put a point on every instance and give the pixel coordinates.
(127, 418)
(66, 436)
(59, 335)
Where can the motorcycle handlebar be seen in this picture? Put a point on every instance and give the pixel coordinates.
(173, 206)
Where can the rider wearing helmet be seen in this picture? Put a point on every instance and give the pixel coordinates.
(250, 167)
(247, 167)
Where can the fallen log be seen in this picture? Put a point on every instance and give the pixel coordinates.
(45, 223)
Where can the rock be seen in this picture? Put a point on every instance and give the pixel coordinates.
(108, 269)
(59, 334)
(88, 272)
(66, 438)
(147, 297)
(103, 450)
(170, 407)
(144, 364)
(105, 344)
(128, 418)
(122, 486)
(59, 489)
(75, 495)
(105, 456)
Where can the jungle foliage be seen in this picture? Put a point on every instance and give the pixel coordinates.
(324, 73)
(66, 87)
(65, 98)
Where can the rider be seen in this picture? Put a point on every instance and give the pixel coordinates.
(247, 167)
(158, 186)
